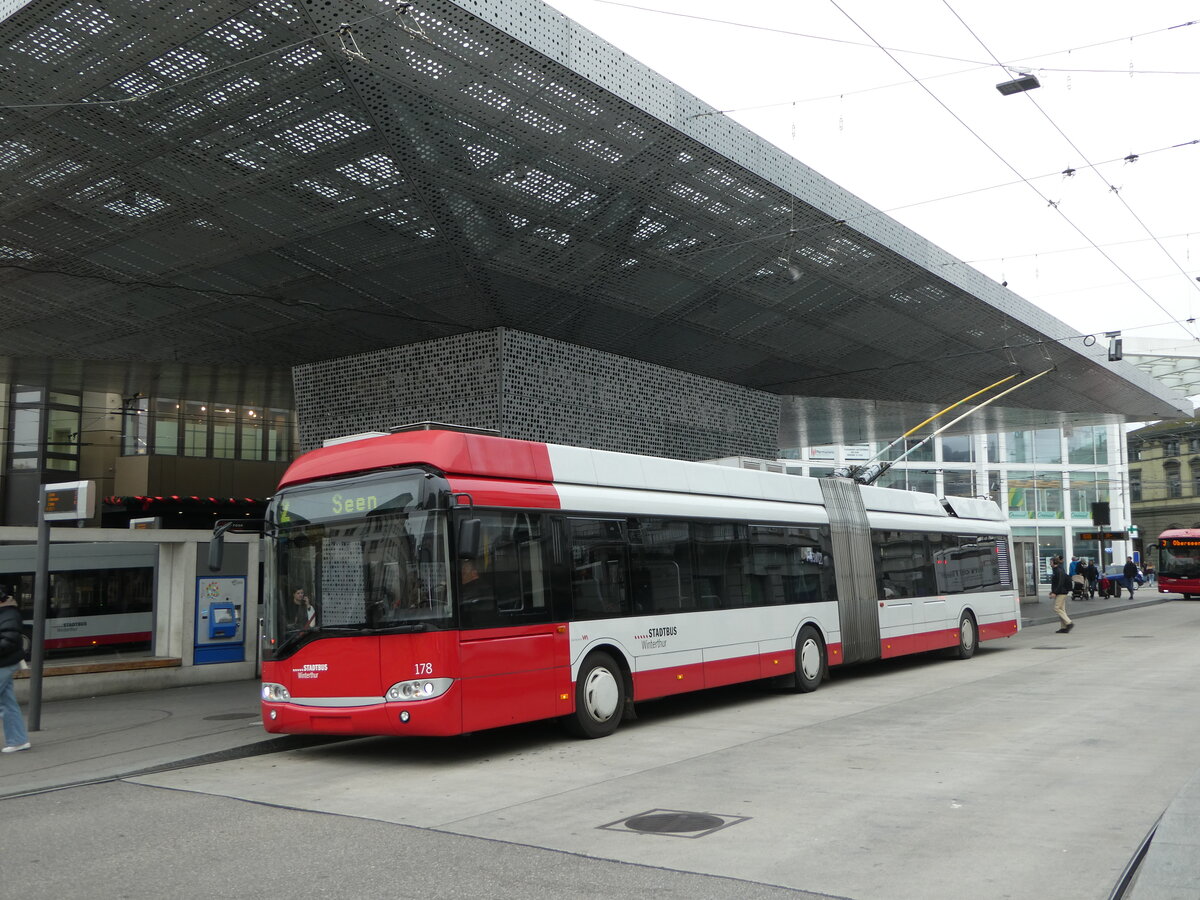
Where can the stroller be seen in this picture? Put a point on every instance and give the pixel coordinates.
(1079, 590)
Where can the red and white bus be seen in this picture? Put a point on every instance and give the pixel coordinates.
(435, 582)
(1178, 570)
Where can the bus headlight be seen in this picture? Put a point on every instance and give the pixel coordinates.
(275, 693)
(421, 689)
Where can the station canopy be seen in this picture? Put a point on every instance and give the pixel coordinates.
(249, 186)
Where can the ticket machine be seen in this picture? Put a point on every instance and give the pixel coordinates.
(220, 620)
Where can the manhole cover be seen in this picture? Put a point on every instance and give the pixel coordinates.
(661, 823)
(222, 717)
(674, 823)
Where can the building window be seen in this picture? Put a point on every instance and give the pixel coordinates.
(1088, 445)
(166, 427)
(1174, 481)
(1135, 485)
(1035, 495)
(958, 483)
(44, 430)
(959, 448)
(917, 451)
(1170, 446)
(1087, 488)
(224, 431)
(1041, 446)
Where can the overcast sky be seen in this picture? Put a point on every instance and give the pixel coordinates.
(919, 130)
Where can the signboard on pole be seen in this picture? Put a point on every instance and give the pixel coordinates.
(69, 500)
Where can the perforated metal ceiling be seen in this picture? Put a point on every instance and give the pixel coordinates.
(229, 183)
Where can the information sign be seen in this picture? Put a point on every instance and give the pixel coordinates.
(1103, 535)
(69, 500)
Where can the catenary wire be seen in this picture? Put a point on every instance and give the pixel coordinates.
(1092, 168)
(1067, 219)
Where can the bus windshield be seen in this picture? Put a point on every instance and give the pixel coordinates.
(355, 557)
(1179, 557)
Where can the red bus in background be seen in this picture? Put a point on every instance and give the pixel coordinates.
(1178, 569)
(435, 582)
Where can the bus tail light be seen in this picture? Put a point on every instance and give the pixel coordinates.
(421, 689)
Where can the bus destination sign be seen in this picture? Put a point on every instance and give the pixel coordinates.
(1103, 535)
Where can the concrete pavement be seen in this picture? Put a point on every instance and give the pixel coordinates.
(108, 737)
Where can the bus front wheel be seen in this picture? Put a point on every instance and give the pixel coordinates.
(599, 697)
(810, 660)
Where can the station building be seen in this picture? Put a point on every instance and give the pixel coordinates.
(233, 230)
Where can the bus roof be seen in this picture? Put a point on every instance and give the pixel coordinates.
(485, 456)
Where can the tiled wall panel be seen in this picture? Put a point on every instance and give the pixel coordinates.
(534, 388)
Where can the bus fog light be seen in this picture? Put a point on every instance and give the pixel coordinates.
(404, 716)
(275, 693)
(274, 714)
(424, 689)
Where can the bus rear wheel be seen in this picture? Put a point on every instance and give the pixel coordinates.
(810, 660)
(599, 697)
(968, 637)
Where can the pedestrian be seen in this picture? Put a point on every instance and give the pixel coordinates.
(1060, 587)
(1131, 573)
(1092, 574)
(12, 655)
(1148, 571)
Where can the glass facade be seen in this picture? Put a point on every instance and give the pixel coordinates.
(198, 428)
(44, 428)
(1045, 480)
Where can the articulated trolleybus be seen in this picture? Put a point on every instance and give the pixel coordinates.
(436, 582)
(1178, 569)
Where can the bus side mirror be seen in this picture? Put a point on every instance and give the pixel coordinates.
(468, 538)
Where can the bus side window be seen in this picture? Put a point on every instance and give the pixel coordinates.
(662, 566)
(507, 584)
(599, 581)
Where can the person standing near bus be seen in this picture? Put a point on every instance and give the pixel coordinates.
(12, 654)
(1131, 575)
(1092, 575)
(1060, 587)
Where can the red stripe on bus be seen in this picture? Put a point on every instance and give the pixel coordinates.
(923, 642)
(451, 452)
(489, 492)
(132, 637)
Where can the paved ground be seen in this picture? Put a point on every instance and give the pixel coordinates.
(97, 740)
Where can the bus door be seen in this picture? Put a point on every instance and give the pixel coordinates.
(854, 569)
(513, 658)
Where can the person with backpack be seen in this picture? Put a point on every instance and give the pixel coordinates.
(1060, 587)
(12, 655)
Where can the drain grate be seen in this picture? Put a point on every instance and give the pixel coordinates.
(674, 823)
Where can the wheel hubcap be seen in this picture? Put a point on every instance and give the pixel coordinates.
(810, 659)
(968, 633)
(600, 694)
